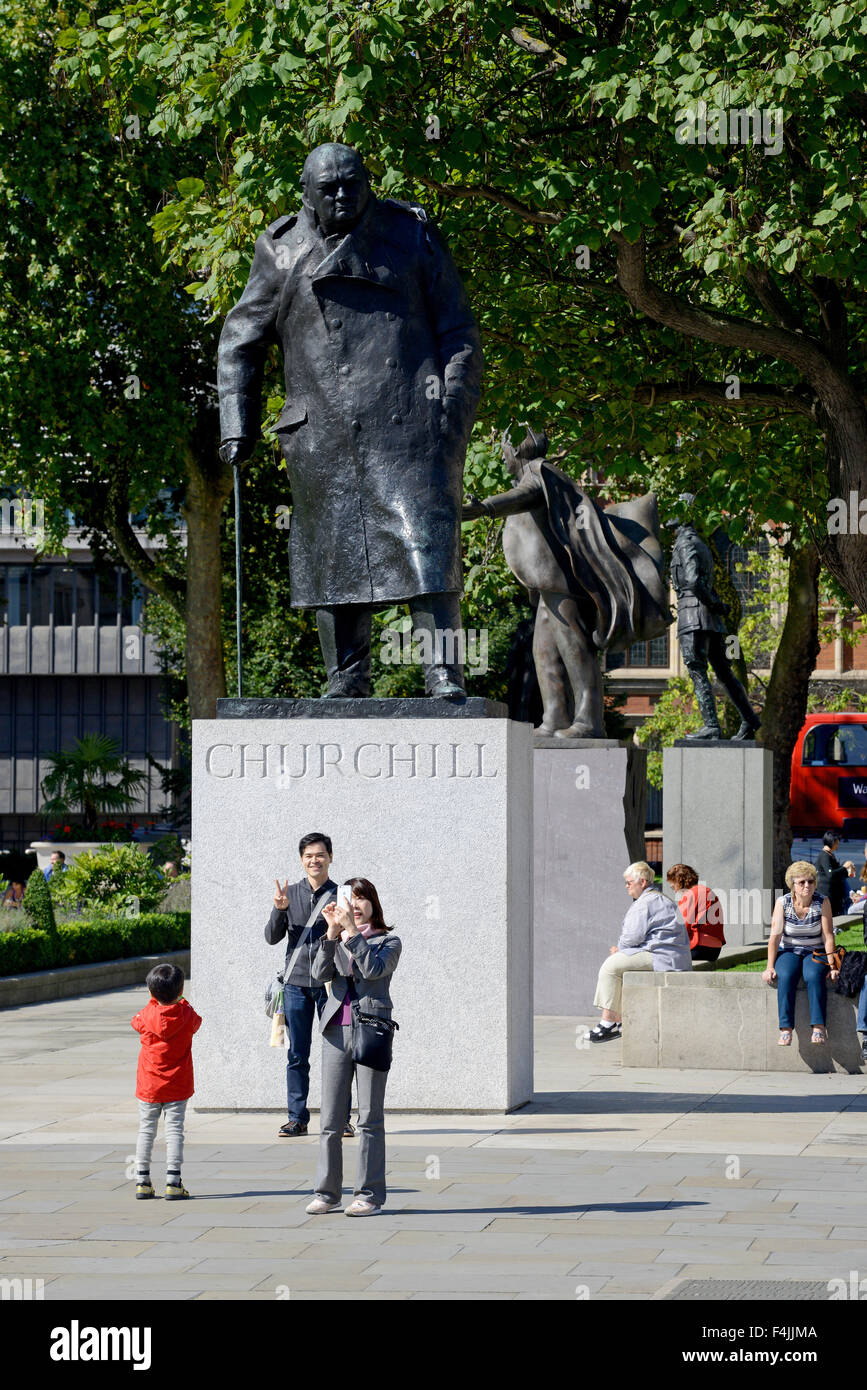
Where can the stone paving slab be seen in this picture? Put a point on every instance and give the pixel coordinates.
(611, 1182)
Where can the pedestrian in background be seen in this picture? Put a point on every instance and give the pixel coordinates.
(700, 909)
(801, 927)
(653, 937)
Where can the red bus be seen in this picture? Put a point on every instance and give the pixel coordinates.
(829, 776)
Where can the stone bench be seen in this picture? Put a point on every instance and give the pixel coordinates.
(728, 1020)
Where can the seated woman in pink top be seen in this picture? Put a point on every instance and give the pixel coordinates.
(700, 909)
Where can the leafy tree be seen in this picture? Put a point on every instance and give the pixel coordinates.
(77, 782)
(712, 295)
(106, 402)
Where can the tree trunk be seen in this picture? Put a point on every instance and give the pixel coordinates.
(845, 554)
(206, 497)
(786, 699)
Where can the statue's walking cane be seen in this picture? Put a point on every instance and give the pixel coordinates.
(237, 470)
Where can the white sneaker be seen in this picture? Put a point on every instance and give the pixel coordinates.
(361, 1208)
(319, 1206)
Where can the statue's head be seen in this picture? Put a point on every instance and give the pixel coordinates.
(335, 187)
(533, 445)
(686, 500)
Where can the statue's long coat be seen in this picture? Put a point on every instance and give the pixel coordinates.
(382, 363)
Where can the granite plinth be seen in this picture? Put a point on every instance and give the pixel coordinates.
(438, 814)
(552, 741)
(473, 707)
(713, 743)
(588, 827)
(718, 818)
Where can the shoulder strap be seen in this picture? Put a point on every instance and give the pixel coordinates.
(315, 912)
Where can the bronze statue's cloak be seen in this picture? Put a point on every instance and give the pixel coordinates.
(611, 558)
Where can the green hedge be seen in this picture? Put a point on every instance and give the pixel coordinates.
(79, 943)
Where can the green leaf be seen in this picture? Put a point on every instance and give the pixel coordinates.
(190, 188)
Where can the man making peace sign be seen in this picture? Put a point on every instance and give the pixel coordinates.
(293, 906)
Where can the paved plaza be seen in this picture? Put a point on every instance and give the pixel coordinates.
(614, 1184)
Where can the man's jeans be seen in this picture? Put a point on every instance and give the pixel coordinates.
(299, 1005)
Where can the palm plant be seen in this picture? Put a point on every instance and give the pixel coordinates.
(77, 785)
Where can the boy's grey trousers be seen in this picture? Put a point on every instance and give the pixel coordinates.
(149, 1116)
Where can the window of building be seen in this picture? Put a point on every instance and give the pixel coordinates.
(40, 594)
(130, 599)
(67, 590)
(85, 596)
(749, 586)
(13, 594)
(109, 584)
(64, 595)
(643, 654)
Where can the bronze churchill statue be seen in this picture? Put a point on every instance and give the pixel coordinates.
(382, 363)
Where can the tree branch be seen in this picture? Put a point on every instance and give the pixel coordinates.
(771, 298)
(727, 330)
(491, 195)
(794, 399)
(115, 518)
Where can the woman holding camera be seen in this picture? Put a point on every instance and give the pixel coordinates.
(358, 955)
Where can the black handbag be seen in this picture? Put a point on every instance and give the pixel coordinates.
(372, 1039)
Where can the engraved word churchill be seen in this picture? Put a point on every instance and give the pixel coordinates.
(371, 760)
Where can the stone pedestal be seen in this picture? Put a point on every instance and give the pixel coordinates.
(435, 807)
(718, 817)
(588, 827)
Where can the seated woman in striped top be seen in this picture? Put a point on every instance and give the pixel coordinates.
(801, 924)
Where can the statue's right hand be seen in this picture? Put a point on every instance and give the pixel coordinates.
(281, 897)
(472, 508)
(236, 451)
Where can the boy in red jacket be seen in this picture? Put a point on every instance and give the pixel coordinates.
(164, 1082)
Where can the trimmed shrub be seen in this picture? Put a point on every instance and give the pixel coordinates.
(37, 903)
(109, 880)
(23, 951)
(81, 943)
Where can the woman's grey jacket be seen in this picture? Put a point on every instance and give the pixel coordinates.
(374, 961)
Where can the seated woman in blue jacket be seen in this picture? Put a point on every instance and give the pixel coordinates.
(358, 955)
(653, 937)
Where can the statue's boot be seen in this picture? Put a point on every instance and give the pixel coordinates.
(443, 687)
(438, 632)
(750, 721)
(707, 706)
(344, 636)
